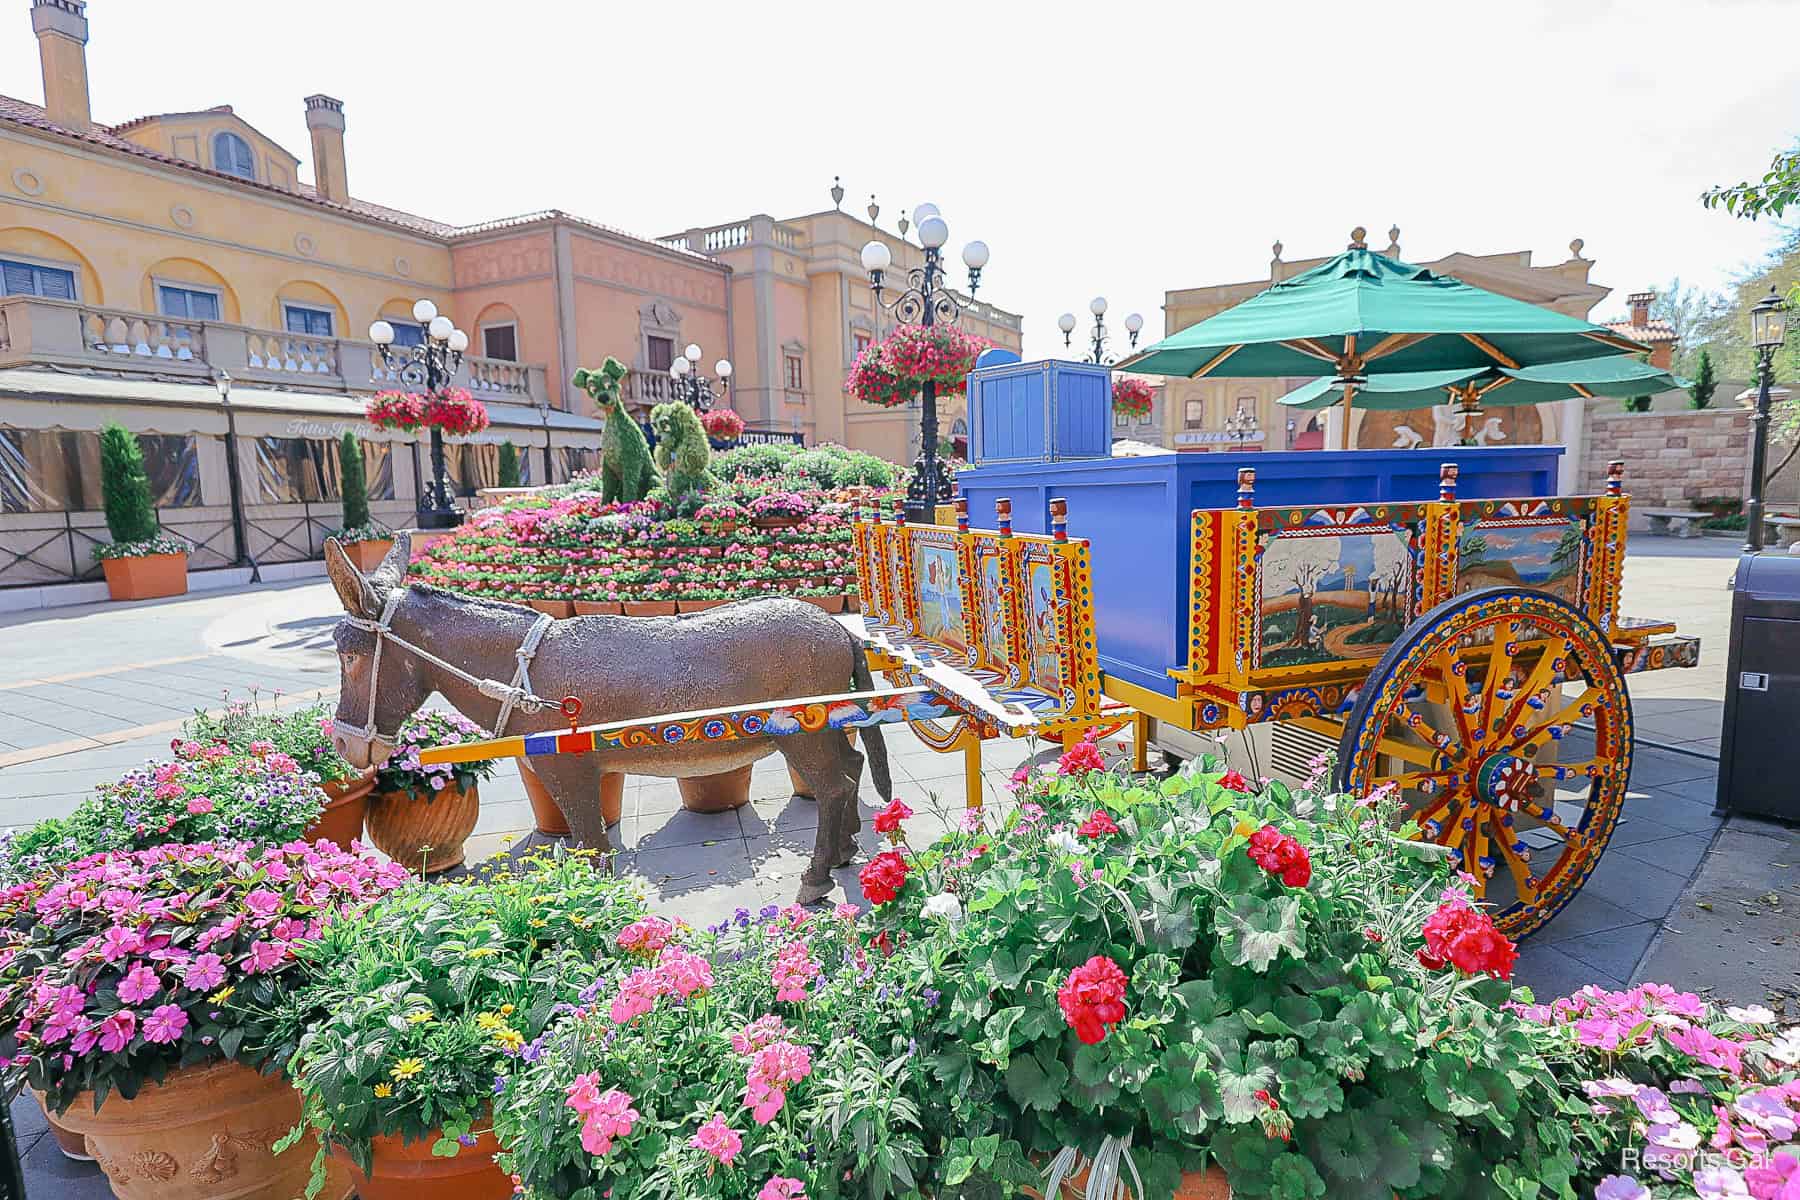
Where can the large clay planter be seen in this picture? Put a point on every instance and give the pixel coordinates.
(554, 608)
(716, 793)
(148, 578)
(598, 608)
(649, 608)
(402, 827)
(612, 797)
(71, 1143)
(800, 788)
(202, 1134)
(831, 604)
(409, 1171)
(694, 606)
(345, 803)
(368, 555)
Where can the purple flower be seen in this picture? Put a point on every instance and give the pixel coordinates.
(164, 1024)
(499, 1085)
(931, 996)
(1720, 1183)
(1621, 1187)
(466, 1139)
(139, 985)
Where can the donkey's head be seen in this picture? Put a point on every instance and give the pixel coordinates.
(371, 704)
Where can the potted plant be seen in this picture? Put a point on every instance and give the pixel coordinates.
(715, 793)
(823, 595)
(723, 426)
(780, 510)
(765, 1057)
(365, 541)
(1132, 396)
(304, 735)
(420, 815)
(138, 989)
(419, 1005)
(141, 562)
(654, 599)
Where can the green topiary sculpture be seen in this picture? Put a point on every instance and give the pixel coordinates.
(130, 516)
(682, 452)
(509, 465)
(626, 472)
(355, 482)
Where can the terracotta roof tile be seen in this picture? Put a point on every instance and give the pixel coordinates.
(1654, 330)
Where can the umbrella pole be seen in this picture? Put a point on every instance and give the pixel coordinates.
(1344, 437)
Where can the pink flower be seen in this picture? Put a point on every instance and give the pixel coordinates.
(646, 936)
(611, 1116)
(140, 983)
(164, 1024)
(637, 996)
(794, 969)
(199, 806)
(718, 1139)
(265, 957)
(683, 972)
(205, 973)
(119, 942)
(117, 1030)
(263, 903)
(780, 1187)
(759, 1033)
(167, 791)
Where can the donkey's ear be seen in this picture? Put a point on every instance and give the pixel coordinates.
(352, 588)
(394, 565)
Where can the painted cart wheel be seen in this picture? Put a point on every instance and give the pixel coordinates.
(1457, 716)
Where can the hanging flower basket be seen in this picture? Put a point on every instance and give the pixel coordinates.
(891, 372)
(451, 411)
(722, 424)
(1132, 396)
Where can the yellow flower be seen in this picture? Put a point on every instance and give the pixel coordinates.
(406, 1068)
(509, 1039)
(383, 1090)
(538, 922)
(506, 1010)
(482, 952)
(488, 1020)
(1243, 828)
(417, 1018)
(222, 995)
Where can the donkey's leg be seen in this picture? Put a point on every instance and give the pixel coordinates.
(817, 756)
(573, 781)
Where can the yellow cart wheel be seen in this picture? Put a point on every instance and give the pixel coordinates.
(1457, 714)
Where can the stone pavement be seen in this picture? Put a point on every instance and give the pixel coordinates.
(87, 692)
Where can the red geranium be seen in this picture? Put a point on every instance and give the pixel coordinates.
(1231, 781)
(1132, 396)
(1081, 758)
(1467, 939)
(722, 424)
(1098, 825)
(883, 876)
(450, 410)
(888, 819)
(1092, 998)
(1279, 854)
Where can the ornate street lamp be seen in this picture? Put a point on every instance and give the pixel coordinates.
(925, 301)
(690, 385)
(431, 364)
(1768, 329)
(1134, 325)
(1241, 425)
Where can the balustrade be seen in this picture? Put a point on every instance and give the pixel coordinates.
(135, 335)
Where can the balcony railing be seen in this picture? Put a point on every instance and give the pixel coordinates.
(36, 332)
(758, 230)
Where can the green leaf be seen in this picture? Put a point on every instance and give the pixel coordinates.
(959, 1169)
(1033, 1082)
(1253, 932)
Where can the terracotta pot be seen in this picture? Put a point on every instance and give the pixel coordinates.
(598, 608)
(831, 604)
(71, 1143)
(716, 793)
(800, 788)
(148, 578)
(368, 555)
(1209, 1184)
(545, 814)
(776, 522)
(345, 803)
(553, 608)
(409, 1171)
(694, 606)
(202, 1134)
(649, 608)
(612, 796)
(852, 602)
(402, 827)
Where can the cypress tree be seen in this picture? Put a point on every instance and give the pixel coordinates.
(509, 465)
(130, 516)
(356, 485)
(1706, 381)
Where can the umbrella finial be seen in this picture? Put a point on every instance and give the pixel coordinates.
(1575, 249)
(1359, 238)
(1393, 250)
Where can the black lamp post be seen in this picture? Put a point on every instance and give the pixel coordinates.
(1097, 354)
(1768, 329)
(926, 302)
(431, 364)
(695, 389)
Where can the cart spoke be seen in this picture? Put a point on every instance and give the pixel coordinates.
(1556, 725)
(1517, 867)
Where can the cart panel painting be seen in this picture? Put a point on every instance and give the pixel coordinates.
(940, 596)
(1327, 597)
(995, 644)
(1042, 639)
(1545, 557)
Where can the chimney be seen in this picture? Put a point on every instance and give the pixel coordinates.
(1640, 308)
(62, 33)
(325, 120)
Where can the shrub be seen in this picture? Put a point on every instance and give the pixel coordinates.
(130, 515)
(753, 461)
(356, 484)
(509, 465)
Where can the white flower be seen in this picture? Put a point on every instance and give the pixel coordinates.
(1062, 839)
(946, 906)
(1786, 1047)
(1751, 1014)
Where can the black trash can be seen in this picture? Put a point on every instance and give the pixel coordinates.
(1757, 746)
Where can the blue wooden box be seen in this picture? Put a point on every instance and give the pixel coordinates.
(1135, 514)
(1047, 411)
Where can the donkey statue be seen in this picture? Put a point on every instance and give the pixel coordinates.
(397, 644)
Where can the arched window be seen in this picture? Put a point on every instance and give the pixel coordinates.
(231, 154)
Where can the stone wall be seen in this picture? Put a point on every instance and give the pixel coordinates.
(1671, 458)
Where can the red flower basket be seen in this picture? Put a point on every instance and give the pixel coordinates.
(451, 411)
(1132, 396)
(891, 372)
(722, 424)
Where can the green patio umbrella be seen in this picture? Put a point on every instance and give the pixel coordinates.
(1362, 308)
(1614, 375)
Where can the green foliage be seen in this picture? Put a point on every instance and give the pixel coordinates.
(509, 465)
(754, 461)
(299, 734)
(682, 451)
(1771, 195)
(626, 473)
(1637, 404)
(356, 484)
(130, 516)
(1706, 380)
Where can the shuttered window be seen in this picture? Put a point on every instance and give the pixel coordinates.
(231, 154)
(29, 279)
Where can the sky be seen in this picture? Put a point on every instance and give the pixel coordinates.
(1118, 150)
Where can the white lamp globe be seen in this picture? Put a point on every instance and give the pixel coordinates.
(722, 368)
(441, 328)
(1097, 306)
(381, 333)
(1134, 322)
(924, 212)
(1066, 322)
(423, 311)
(876, 256)
(933, 232)
(679, 367)
(459, 341)
(692, 353)
(975, 255)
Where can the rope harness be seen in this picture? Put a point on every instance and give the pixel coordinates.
(517, 694)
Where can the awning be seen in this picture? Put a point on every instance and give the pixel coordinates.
(54, 400)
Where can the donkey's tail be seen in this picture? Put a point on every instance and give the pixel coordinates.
(873, 747)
